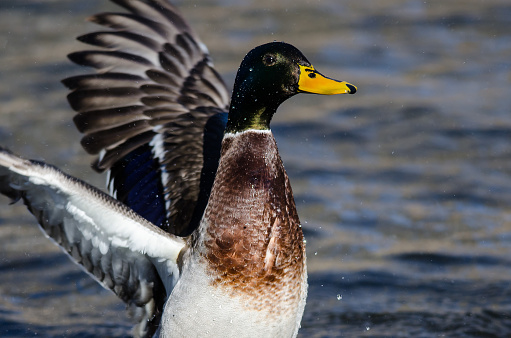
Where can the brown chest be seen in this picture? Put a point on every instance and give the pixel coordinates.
(253, 241)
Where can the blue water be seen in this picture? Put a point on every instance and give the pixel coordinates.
(404, 189)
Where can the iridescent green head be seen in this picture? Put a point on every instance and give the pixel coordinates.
(270, 74)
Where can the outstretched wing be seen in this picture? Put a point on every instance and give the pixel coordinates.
(122, 250)
(155, 112)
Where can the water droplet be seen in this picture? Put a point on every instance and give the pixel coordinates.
(368, 328)
(316, 253)
(250, 69)
(304, 241)
(339, 296)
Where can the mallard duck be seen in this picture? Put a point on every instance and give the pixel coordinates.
(199, 230)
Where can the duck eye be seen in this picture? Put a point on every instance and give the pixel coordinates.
(269, 60)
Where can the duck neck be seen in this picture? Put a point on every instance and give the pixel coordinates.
(246, 113)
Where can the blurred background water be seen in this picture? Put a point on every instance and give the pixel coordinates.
(404, 189)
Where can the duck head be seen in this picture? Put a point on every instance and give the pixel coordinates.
(269, 75)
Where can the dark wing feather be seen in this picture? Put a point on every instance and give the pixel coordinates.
(146, 110)
(123, 251)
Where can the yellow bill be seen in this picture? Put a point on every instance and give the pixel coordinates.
(311, 81)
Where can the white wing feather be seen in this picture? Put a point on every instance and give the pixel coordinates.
(122, 250)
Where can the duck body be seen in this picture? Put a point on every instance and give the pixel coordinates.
(247, 266)
(199, 231)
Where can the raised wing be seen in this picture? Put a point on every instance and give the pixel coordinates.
(154, 111)
(122, 250)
